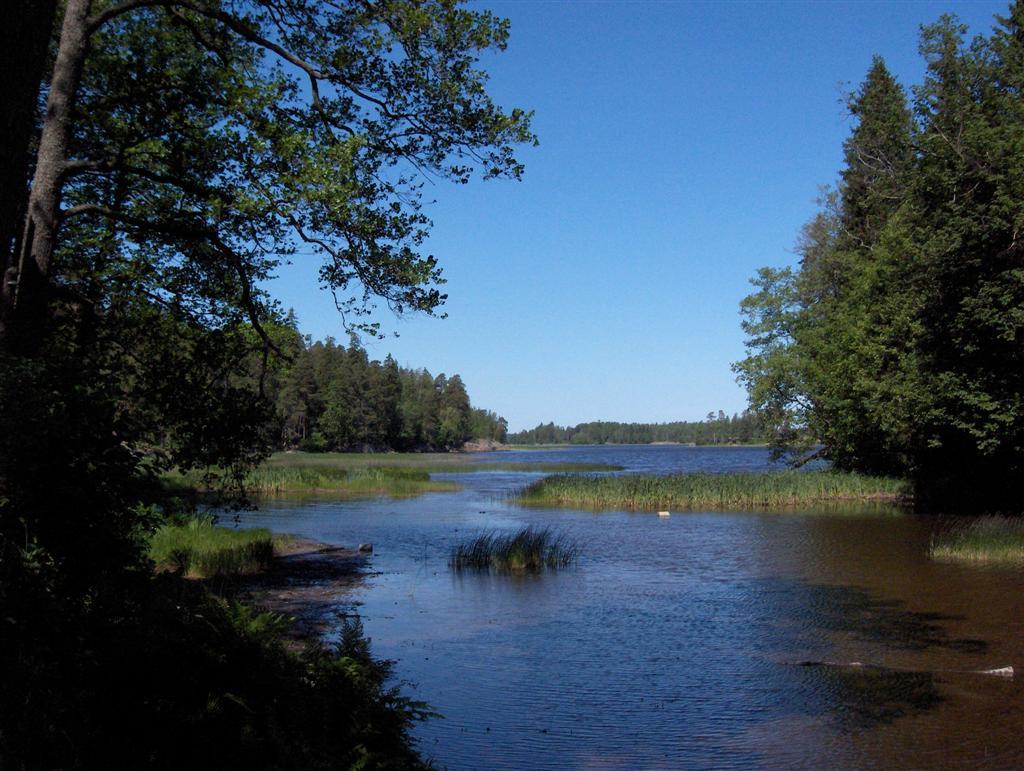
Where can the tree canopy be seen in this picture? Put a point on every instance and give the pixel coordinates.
(159, 160)
(897, 342)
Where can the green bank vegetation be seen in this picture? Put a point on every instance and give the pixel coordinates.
(200, 549)
(995, 539)
(527, 549)
(315, 477)
(711, 491)
(432, 462)
(357, 474)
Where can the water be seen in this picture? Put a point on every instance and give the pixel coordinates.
(679, 642)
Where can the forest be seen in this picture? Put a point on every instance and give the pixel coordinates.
(896, 345)
(327, 396)
(715, 429)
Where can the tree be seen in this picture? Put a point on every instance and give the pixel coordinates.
(970, 202)
(454, 414)
(897, 344)
(186, 149)
(168, 121)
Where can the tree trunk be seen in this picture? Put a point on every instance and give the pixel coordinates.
(24, 44)
(25, 317)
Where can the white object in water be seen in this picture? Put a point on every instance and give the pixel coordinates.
(663, 514)
(998, 672)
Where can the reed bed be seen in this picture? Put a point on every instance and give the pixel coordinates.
(711, 491)
(986, 539)
(527, 549)
(431, 462)
(274, 479)
(200, 549)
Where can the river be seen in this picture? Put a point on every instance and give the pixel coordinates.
(683, 641)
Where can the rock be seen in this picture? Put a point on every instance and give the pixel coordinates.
(483, 445)
(366, 548)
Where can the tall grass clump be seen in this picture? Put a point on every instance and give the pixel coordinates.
(200, 549)
(986, 539)
(711, 491)
(527, 549)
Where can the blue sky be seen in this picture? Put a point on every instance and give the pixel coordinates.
(682, 146)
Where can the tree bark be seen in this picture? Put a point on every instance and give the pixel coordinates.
(24, 44)
(24, 313)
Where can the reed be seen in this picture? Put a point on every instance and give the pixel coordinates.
(200, 549)
(273, 479)
(986, 539)
(431, 462)
(711, 491)
(527, 549)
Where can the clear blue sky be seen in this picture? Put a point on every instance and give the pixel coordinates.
(682, 147)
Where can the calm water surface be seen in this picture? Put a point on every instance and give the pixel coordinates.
(680, 642)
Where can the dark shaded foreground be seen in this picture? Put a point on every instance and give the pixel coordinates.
(163, 672)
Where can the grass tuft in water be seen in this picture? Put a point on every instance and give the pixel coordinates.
(528, 549)
(200, 549)
(986, 539)
(711, 491)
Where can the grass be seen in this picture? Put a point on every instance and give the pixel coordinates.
(277, 479)
(527, 549)
(200, 549)
(431, 462)
(362, 474)
(711, 491)
(986, 539)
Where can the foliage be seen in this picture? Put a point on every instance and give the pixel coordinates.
(527, 549)
(710, 491)
(187, 679)
(329, 397)
(716, 429)
(897, 341)
(187, 149)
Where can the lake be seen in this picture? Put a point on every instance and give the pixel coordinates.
(685, 641)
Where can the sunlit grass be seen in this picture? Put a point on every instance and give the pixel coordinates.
(527, 549)
(711, 491)
(431, 462)
(986, 539)
(277, 479)
(200, 549)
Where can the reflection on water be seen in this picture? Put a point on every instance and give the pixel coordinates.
(861, 695)
(680, 641)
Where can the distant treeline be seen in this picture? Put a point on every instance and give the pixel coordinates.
(721, 429)
(327, 396)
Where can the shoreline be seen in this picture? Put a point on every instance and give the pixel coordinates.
(310, 583)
